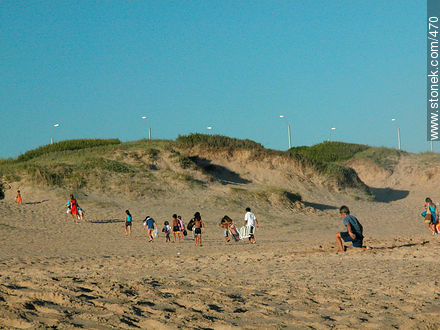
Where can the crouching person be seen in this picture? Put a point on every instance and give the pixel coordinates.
(354, 233)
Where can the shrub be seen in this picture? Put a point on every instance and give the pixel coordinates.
(66, 145)
(330, 151)
(217, 141)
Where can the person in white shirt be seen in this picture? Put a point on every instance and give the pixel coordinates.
(250, 220)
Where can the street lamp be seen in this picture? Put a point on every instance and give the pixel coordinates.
(53, 132)
(398, 133)
(209, 128)
(330, 135)
(149, 128)
(288, 131)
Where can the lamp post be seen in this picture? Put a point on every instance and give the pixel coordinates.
(149, 128)
(288, 131)
(209, 128)
(53, 132)
(330, 135)
(398, 133)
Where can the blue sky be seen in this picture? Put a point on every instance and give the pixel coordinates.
(96, 67)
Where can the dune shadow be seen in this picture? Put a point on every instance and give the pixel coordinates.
(321, 207)
(106, 221)
(33, 203)
(222, 174)
(386, 195)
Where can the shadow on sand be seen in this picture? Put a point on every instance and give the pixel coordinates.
(106, 221)
(321, 207)
(33, 203)
(386, 195)
(221, 173)
(401, 246)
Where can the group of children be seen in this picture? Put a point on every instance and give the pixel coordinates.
(230, 231)
(196, 225)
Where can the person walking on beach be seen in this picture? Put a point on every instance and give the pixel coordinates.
(199, 226)
(431, 215)
(150, 224)
(182, 227)
(176, 228)
(354, 231)
(250, 220)
(128, 223)
(167, 230)
(18, 197)
(74, 208)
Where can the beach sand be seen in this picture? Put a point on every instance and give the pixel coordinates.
(54, 273)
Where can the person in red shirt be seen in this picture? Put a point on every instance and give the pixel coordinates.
(74, 209)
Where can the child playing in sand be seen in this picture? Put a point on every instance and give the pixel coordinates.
(176, 228)
(224, 223)
(199, 226)
(128, 221)
(18, 197)
(431, 215)
(150, 225)
(354, 231)
(233, 230)
(167, 230)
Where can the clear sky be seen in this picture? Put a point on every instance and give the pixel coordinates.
(96, 67)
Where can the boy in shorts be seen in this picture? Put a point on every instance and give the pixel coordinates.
(199, 225)
(354, 231)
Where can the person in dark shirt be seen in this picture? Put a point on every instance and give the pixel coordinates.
(354, 231)
(150, 225)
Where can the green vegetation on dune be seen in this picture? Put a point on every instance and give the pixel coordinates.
(66, 145)
(330, 151)
(217, 141)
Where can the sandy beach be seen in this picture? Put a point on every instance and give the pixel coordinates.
(55, 273)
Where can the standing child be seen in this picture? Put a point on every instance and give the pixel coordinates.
(128, 221)
(18, 197)
(250, 220)
(183, 231)
(81, 213)
(150, 224)
(199, 225)
(167, 230)
(431, 215)
(176, 228)
(74, 209)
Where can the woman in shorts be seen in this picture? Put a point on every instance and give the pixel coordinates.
(128, 222)
(176, 228)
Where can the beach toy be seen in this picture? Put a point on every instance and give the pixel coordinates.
(154, 233)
